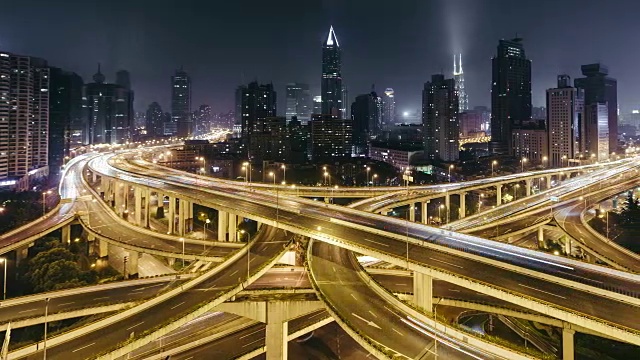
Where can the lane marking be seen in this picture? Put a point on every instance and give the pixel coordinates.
(253, 342)
(374, 315)
(249, 334)
(177, 305)
(84, 347)
(69, 303)
(24, 311)
(546, 292)
(140, 323)
(375, 242)
(98, 298)
(445, 262)
(233, 273)
(401, 334)
(354, 297)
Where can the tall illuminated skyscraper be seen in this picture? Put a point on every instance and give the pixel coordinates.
(181, 103)
(331, 87)
(458, 76)
(388, 108)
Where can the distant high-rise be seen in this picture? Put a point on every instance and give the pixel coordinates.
(331, 138)
(123, 79)
(181, 103)
(65, 115)
(155, 120)
(298, 102)
(510, 93)
(601, 89)
(594, 134)
(238, 112)
(331, 86)
(565, 106)
(317, 105)
(440, 119)
(202, 119)
(24, 119)
(258, 104)
(365, 116)
(458, 75)
(388, 108)
(109, 111)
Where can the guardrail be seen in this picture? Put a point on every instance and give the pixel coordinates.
(604, 239)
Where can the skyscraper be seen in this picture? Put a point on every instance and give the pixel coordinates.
(258, 104)
(155, 120)
(298, 102)
(388, 108)
(458, 75)
(365, 116)
(565, 107)
(109, 111)
(24, 119)
(181, 103)
(331, 86)
(331, 138)
(595, 132)
(202, 119)
(317, 105)
(65, 114)
(601, 89)
(440, 119)
(510, 93)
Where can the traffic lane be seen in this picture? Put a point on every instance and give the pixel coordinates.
(279, 277)
(344, 289)
(271, 243)
(38, 226)
(85, 300)
(576, 300)
(575, 274)
(228, 347)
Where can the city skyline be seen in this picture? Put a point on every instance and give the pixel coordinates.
(412, 50)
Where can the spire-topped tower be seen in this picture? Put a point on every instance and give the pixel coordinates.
(458, 75)
(332, 77)
(98, 77)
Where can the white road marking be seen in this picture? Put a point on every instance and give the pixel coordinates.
(370, 323)
(546, 292)
(448, 263)
(98, 298)
(354, 297)
(233, 273)
(69, 303)
(84, 347)
(374, 315)
(249, 334)
(375, 242)
(177, 305)
(140, 323)
(24, 311)
(401, 334)
(253, 342)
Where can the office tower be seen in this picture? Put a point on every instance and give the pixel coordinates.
(594, 134)
(108, 111)
(155, 120)
(388, 108)
(258, 104)
(331, 137)
(24, 119)
(510, 93)
(202, 119)
(601, 89)
(345, 102)
(298, 102)
(299, 140)
(65, 116)
(123, 79)
(530, 142)
(331, 85)
(458, 75)
(238, 108)
(470, 123)
(365, 116)
(181, 103)
(317, 105)
(565, 106)
(440, 119)
(170, 127)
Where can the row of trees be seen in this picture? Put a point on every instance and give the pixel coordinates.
(630, 214)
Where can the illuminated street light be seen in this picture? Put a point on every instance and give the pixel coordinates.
(493, 163)
(450, 167)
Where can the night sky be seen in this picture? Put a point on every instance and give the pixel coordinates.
(391, 43)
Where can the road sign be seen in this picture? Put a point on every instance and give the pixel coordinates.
(554, 198)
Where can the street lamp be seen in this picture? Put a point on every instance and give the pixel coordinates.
(373, 182)
(544, 161)
(170, 155)
(284, 172)
(247, 170)
(46, 313)
(325, 178)
(440, 209)
(515, 194)
(524, 160)
(182, 240)
(44, 204)
(450, 167)
(206, 223)
(273, 175)
(4, 261)
(368, 169)
(493, 163)
(248, 250)
(562, 160)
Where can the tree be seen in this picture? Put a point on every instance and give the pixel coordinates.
(54, 269)
(630, 215)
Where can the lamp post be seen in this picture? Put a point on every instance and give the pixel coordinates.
(441, 207)
(247, 171)
(206, 223)
(562, 160)
(493, 163)
(325, 178)
(450, 167)
(522, 161)
(46, 314)
(544, 161)
(44, 203)
(4, 285)
(368, 169)
(170, 155)
(284, 172)
(248, 251)
(373, 181)
(182, 241)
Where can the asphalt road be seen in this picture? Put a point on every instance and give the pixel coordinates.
(269, 244)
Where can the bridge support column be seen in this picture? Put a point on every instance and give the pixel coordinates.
(117, 205)
(147, 208)
(425, 212)
(548, 182)
(137, 207)
(66, 234)
(189, 216)
(132, 263)
(233, 226)
(103, 248)
(160, 202)
(567, 344)
(463, 205)
(412, 212)
(541, 243)
(277, 331)
(21, 254)
(567, 245)
(498, 195)
(423, 291)
(447, 206)
(172, 215)
(223, 218)
(528, 186)
(181, 217)
(94, 177)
